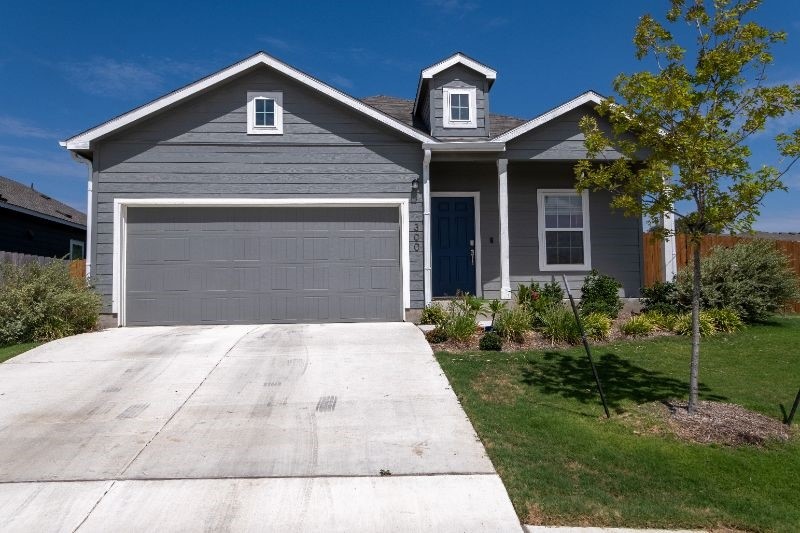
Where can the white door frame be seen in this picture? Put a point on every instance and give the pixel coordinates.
(476, 196)
(120, 231)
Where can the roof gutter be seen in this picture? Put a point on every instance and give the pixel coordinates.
(469, 146)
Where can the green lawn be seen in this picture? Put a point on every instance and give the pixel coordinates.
(7, 352)
(563, 464)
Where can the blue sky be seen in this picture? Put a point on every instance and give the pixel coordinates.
(65, 66)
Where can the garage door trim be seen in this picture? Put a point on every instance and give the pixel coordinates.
(121, 206)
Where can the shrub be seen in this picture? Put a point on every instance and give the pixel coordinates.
(436, 336)
(597, 326)
(725, 320)
(662, 297)
(468, 304)
(460, 327)
(754, 279)
(495, 306)
(600, 294)
(536, 299)
(559, 325)
(43, 302)
(637, 326)
(491, 342)
(513, 323)
(433, 314)
(661, 320)
(683, 324)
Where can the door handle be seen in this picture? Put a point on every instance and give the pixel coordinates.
(472, 255)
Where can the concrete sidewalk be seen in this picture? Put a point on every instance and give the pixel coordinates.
(276, 428)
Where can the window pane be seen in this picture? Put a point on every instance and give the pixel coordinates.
(564, 247)
(562, 211)
(459, 107)
(265, 112)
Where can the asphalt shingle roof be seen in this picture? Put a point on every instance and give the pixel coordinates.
(24, 196)
(402, 109)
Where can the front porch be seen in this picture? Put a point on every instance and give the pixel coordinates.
(485, 216)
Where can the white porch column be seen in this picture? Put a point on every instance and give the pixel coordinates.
(502, 200)
(426, 227)
(670, 253)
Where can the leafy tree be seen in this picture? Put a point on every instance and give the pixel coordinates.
(683, 128)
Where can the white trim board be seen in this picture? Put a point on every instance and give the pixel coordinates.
(587, 241)
(121, 206)
(82, 141)
(585, 98)
(476, 196)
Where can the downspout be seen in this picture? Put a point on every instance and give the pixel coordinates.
(426, 226)
(90, 201)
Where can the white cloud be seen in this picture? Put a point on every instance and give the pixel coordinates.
(15, 127)
(341, 81)
(29, 163)
(275, 42)
(451, 6)
(122, 79)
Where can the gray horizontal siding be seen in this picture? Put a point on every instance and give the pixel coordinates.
(201, 149)
(615, 238)
(560, 139)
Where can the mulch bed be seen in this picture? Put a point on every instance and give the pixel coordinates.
(534, 340)
(721, 423)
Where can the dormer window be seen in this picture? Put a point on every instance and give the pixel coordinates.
(460, 107)
(264, 113)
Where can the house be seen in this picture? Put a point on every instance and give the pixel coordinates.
(35, 224)
(260, 194)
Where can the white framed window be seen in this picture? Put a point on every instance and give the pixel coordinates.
(564, 241)
(460, 107)
(264, 113)
(77, 249)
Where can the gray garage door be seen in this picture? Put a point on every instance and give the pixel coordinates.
(214, 265)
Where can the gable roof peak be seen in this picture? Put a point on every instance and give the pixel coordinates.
(82, 141)
(455, 59)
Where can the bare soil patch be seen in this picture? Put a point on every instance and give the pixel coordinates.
(721, 423)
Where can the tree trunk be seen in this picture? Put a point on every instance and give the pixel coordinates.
(695, 365)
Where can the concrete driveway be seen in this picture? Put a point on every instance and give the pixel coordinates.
(269, 428)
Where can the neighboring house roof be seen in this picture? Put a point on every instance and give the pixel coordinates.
(25, 199)
(585, 98)
(402, 109)
(82, 140)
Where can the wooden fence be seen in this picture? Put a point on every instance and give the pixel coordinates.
(77, 268)
(654, 262)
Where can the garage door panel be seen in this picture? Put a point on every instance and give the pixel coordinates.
(255, 265)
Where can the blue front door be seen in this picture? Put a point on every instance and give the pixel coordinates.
(453, 245)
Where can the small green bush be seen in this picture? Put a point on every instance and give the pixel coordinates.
(597, 326)
(725, 320)
(683, 324)
(637, 326)
(495, 306)
(600, 294)
(491, 342)
(559, 325)
(537, 299)
(43, 302)
(662, 297)
(433, 314)
(468, 304)
(752, 278)
(436, 336)
(460, 327)
(512, 324)
(661, 320)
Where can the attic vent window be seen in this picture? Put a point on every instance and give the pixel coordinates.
(264, 113)
(460, 107)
